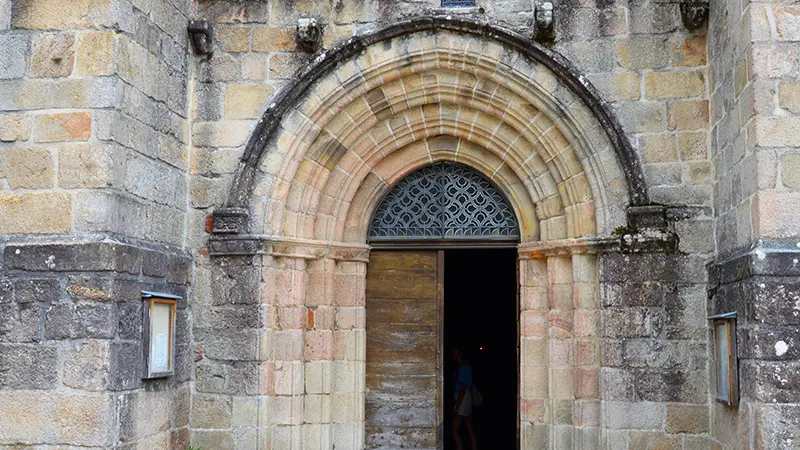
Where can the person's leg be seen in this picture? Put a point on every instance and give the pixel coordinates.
(473, 440)
(457, 432)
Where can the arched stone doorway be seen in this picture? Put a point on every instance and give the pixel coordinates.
(378, 109)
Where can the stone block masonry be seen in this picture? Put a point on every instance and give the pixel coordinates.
(70, 345)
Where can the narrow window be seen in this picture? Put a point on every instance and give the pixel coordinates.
(457, 3)
(725, 367)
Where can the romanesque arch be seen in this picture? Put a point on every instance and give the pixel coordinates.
(375, 109)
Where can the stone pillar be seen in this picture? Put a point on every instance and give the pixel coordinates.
(560, 325)
(560, 356)
(349, 354)
(586, 351)
(290, 345)
(534, 396)
(233, 332)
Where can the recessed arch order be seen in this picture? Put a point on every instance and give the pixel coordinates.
(378, 106)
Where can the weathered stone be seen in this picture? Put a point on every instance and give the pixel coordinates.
(640, 415)
(13, 50)
(642, 53)
(14, 127)
(89, 166)
(684, 418)
(63, 127)
(246, 101)
(658, 148)
(211, 411)
(43, 15)
(20, 322)
(67, 93)
(74, 257)
(44, 290)
(790, 170)
(664, 85)
(691, 115)
(220, 134)
(95, 320)
(640, 117)
(233, 39)
(53, 55)
(86, 365)
(274, 39)
(29, 168)
(692, 146)
(284, 66)
(95, 53)
(26, 416)
(222, 440)
(28, 366)
(125, 365)
(129, 326)
(143, 414)
(688, 50)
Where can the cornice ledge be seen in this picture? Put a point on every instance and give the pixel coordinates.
(287, 247)
(562, 247)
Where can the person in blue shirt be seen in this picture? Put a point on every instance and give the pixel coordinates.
(462, 414)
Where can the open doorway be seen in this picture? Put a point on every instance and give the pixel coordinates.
(480, 317)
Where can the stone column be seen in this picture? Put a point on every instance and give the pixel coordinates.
(349, 354)
(534, 396)
(561, 340)
(289, 349)
(586, 351)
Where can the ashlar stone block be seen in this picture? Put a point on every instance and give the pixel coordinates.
(63, 127)
(35, 213)
(53, 55)
(28, 168)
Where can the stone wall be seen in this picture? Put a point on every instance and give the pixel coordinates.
(754, 144)
(93, 175)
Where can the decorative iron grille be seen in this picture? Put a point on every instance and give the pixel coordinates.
(444, 201)
(457, 3)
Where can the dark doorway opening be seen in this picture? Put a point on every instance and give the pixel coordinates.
(480, 317)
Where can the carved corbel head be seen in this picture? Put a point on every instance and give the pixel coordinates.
(308, 34)
(201, 35)
(544, 23)
(694, 13)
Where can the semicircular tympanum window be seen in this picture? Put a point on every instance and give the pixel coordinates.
(444, 201)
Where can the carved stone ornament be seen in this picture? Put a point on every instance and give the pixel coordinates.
(694, 13)
(229, 220)
(308, 34)
(544, 24)
(201, 35)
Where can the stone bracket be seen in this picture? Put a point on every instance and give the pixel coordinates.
(309, 34)
(230, 221)
(544, 23)
(202, 36)
(694, 13)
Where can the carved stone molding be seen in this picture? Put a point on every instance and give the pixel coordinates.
(694, 13)
(230, 221)
(287, 248)
(563, 247)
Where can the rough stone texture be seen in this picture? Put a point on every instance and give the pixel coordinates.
(53, 56)
(711, 114)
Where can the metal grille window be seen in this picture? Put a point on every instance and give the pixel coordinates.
(444, 201)
(457, 3)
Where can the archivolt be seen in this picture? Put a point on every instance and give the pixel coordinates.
(433, 89)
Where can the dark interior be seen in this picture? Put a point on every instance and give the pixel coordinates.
(480, 316)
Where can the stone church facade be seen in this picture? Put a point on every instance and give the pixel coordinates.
(232, 153)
